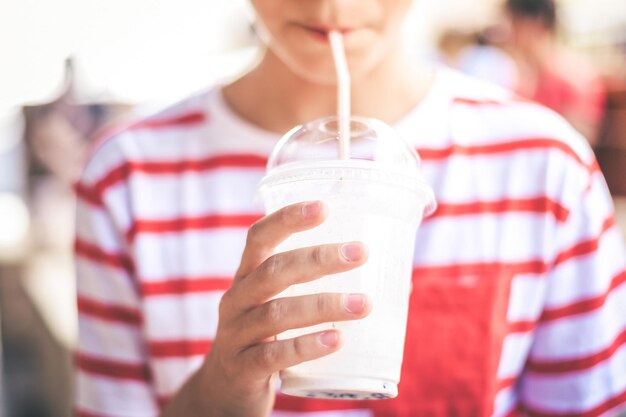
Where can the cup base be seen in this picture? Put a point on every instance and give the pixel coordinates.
(338, 388)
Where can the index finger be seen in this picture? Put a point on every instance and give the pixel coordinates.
(273, 229)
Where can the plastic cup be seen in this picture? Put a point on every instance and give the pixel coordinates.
(377, 196)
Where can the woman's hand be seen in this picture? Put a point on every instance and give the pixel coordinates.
(236, 378)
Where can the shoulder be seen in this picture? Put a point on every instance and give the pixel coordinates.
(523, 139)
(139, 138)
(136, 144)
(485, 114)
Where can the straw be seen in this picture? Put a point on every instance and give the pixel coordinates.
(343, 92)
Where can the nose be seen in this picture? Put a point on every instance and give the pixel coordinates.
(336, 12)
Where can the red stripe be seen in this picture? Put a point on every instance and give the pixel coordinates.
(94, 253)
(179, 348)
(540, 205)
(294, 404)
(199, 165)
(583, 306)
(481, 102)
(87, 194)
(537, 266)
(210, 221)
(113, 369)
(537, 205)
(191, 118)
(608, 405)
(561, 366)
(521, 326)
(433, 154)
(116, 175)
(123, 171)
(109, 312)
(506, 383)
(115, 128)
(186, 286)
(585, 247)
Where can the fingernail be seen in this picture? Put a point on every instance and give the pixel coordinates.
(329, 339)
(354, 303)
(352, 252)
(310, 210)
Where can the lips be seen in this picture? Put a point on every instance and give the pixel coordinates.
(321, 32)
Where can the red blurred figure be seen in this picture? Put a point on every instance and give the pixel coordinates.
(549, 73)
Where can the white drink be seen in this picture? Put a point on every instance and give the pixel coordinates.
(382, 209)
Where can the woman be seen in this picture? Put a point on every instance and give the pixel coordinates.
(518, 295)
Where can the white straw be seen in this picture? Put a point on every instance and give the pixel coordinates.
(343, 92)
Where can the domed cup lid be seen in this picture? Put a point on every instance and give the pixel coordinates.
(374, 146)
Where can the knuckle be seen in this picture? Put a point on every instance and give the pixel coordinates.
(225, 302)
(272, 312)
(253, 232)
(284, 215)
(322, 305)
(299, 348)
(267, 355)
(271, 266)
(317, 255)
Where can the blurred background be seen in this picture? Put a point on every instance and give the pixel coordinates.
(71, 69)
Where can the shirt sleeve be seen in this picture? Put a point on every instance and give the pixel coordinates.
(112, 373)
(577, 363)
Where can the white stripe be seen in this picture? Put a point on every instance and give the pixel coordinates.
(576, 392)
(587, 276)
(515, 349)
(170, 374)
(482, 125)
(510, 237)
(105, 284)
(200, 141)
(506, 401)
(587, 217)
(119, 200)
(527, 297)
(140, 143)
(110, 340)
(94, 226)
(583, 334)
(192, 316)
(106, 157)
(214, 252)
(521, 174)
(111, 397)
(167, 196)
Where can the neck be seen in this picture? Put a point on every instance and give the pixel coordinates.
(275, 98)
(541, 52)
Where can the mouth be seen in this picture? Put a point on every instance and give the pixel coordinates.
(320, 33)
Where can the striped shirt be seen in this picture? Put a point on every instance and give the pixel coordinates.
(519, 296)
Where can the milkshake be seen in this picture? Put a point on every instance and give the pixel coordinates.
(376, 196)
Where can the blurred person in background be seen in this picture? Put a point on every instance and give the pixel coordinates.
(518, 304)
(549, 73)
(472, 53)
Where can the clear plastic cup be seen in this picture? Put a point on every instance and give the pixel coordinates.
(377, 196)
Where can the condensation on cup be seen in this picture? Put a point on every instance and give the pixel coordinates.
(378, 196)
